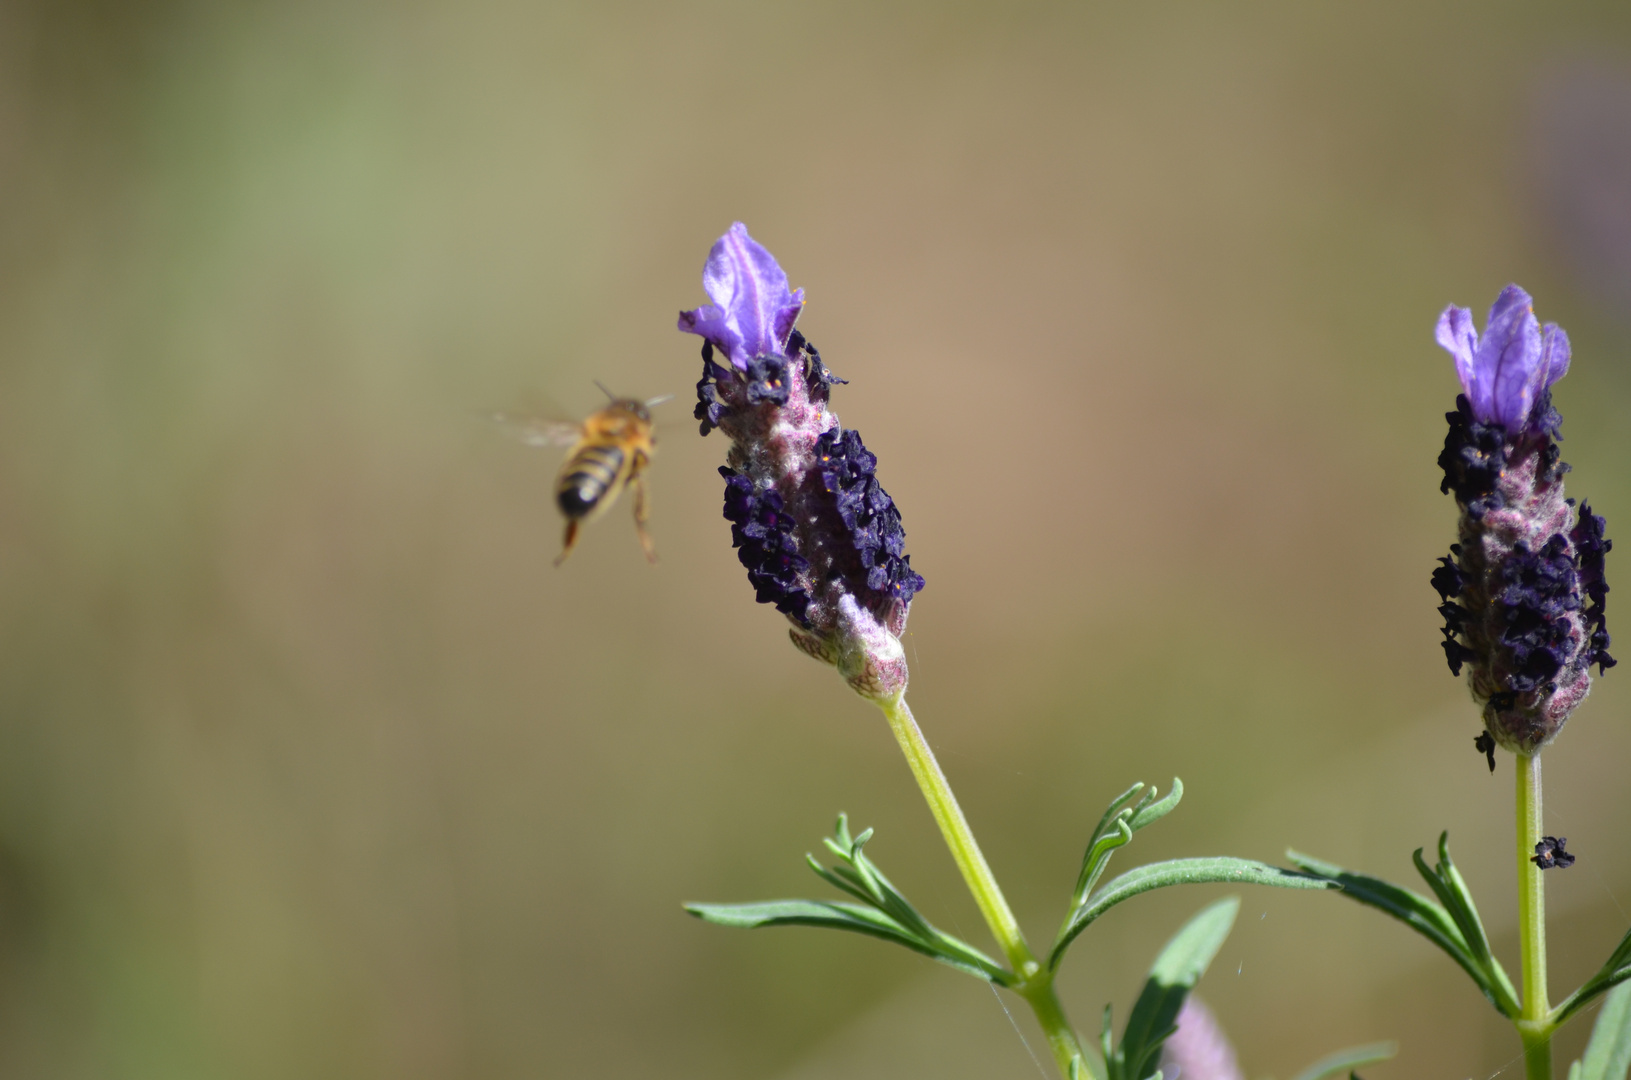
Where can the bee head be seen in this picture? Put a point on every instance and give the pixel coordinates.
(640, 410)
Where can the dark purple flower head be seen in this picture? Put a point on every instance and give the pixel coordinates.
(1515, 590)
(1507, 371)
(819, 536)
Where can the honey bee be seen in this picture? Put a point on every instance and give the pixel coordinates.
(609, 451)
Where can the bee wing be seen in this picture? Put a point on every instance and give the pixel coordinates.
(535, 431)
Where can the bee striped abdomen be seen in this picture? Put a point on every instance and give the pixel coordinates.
(586, 479)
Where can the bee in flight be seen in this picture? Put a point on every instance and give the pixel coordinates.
(610, 451)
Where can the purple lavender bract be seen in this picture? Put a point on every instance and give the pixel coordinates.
(819, 536)
(1520, 627)
(1509, 370)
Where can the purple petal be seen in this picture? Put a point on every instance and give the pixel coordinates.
(1199, 1050)
(1554, 350)
(1460, 340)
(1508, 361)
(712, 323)
(752, 311)
(1512, 300)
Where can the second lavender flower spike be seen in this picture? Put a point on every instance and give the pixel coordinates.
(1523, 590)
(819, 536)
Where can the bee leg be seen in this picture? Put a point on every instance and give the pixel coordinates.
(569, 541)
(637, 479)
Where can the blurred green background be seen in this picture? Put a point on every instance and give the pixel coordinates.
(312, 765)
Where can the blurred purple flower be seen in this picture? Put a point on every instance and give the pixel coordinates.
(819, 536)
(1510, 369)
(1199, 1050)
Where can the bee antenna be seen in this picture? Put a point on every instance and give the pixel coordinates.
(653, 402)
(605, 391)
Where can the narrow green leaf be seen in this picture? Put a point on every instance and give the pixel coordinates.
(1469, 932)
(1465, 912)
(1602, 981)
(838, 882)
(1116, 828)
(860, 877)
(1150, 814)
(1347, 1060)
(1472, 929)
(1107, 826)
(1117, 805)
(1410, 906)
(1179, 872)
(1175, 972)
(833, 913)
(1621, 953)
(1412, 909)
(1451, 889)
(1615, 970)
(1608, 1054)
(859, 869)
(856, 918)
(1098, 857)
(841, 832)
(1112, 1060)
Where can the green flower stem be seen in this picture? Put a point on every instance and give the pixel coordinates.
(1044, 1002)
(1534, 1027)
(1035, 982)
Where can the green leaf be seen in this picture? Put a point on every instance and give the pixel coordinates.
(1615, 970)
(1178, 872)
(1452, 891)
(1117, 805)
(1150, 813)
(1176, 971)
(1622, 952)
(1112, 1064)
(1597, 984)
(1121, 819)
(1412, 909)
(1608, 1054)
(857, 918)
(1111, 832)
(883, 911)
(1347, 1060)
(1098, 857)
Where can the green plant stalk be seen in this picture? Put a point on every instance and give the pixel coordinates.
(1034, 982)
(1534, 1026)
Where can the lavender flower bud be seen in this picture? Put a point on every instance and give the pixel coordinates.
(1512, 587)
(819, 536)
(1199, 1050)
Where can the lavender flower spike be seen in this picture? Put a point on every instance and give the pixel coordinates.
(1523, 590)
(819, 536)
